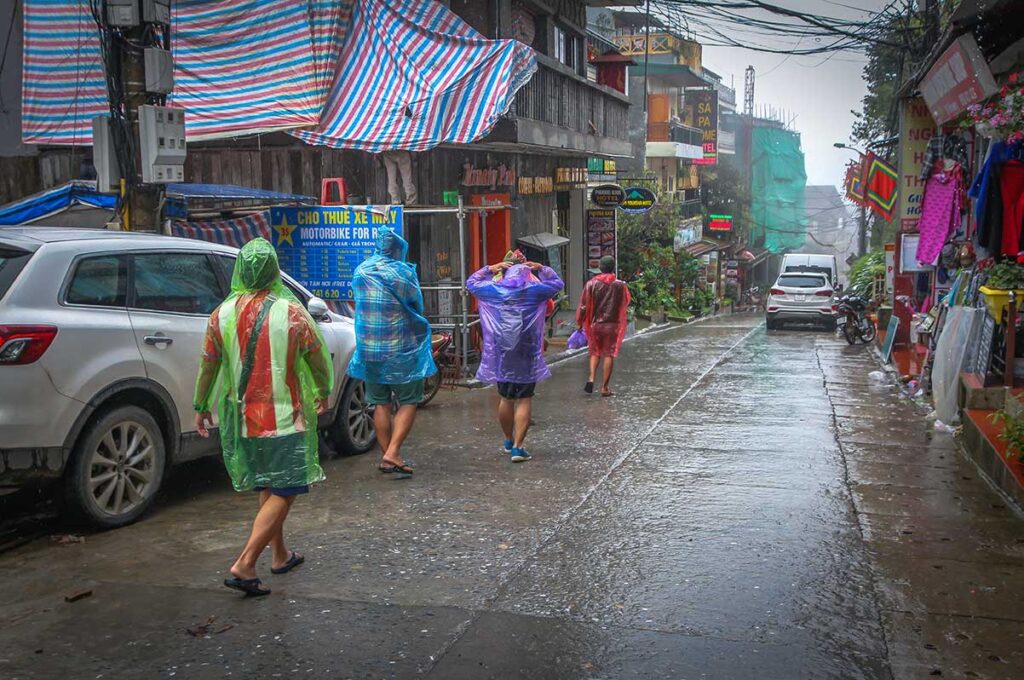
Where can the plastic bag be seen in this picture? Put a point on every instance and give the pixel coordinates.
(577, 340)
(876, 377)
(268, 432)
(392, 334)
(512, 317)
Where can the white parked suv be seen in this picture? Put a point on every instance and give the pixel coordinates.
(100, 336)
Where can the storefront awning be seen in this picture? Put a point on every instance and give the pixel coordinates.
(705, 246)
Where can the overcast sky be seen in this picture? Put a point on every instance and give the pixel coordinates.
(820, 91)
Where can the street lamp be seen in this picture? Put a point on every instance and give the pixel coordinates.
(862, 236)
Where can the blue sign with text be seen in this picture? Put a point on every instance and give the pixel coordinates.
(321, 247)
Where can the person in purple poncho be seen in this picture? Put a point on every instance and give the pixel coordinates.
(513, 297)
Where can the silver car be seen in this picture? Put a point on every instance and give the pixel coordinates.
(805, 298)
(100, 336)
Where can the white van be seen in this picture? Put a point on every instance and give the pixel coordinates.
(811, 264)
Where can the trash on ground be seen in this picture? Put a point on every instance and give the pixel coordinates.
(76, 595)
(67, 539)
(876, 377)
(208, 628)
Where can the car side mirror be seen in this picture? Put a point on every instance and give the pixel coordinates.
(317, 308)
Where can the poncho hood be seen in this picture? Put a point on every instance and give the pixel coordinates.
(256, 268)
(390, 244)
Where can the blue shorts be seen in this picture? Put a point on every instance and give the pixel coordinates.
(285, 491)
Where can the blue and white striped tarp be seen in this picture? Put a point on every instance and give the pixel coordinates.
(363, 74)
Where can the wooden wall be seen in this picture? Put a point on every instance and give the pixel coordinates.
(22, 176)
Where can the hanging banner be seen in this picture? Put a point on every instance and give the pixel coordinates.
(600, 236)
(855, 183)
(322, 246)
(880, 186)
(702, 113)
(916, 128)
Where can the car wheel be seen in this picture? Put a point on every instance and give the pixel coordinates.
(353, 430)
(116, 468)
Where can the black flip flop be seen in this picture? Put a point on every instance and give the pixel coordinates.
(395, 469)
(250, 586)
(293, 561)
(589, 388)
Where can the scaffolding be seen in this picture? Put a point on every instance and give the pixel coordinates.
(464, 320)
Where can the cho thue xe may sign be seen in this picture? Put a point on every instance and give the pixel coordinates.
(321, 246)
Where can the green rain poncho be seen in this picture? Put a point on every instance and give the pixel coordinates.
(273, 366)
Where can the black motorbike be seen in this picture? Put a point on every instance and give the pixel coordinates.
(853, 319)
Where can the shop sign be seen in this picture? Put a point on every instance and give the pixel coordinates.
(600, 236)
(608, 196)
(488, 178)
(890, 266)
(702, 113)
(689, 231)
(638, 200)
(567, 179)
(535, 185)
(908, 254)
(732, 264)
(959, 78)
(719, 222)
(916, 128)
(322, 246)
(601, 170)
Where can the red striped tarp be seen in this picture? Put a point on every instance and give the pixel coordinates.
(236, 232)
(363, 74)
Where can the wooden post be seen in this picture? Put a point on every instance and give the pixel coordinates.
(1011, 340)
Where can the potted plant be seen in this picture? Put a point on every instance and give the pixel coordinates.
(1012, 434)
(1003, 278)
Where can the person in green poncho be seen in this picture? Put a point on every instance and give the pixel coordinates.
(275, 375)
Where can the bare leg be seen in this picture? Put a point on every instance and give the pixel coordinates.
(269, 521)
(382, 424)
(609, 363)
(506, 416)
(279, 554)
(403, 421)
(522, 419)
(594, 359)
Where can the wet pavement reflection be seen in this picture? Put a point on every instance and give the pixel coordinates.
(749, 505)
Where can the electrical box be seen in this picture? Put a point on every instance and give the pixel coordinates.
(159, 70)
(123, 13)
(104, 157)
(156, 12)
(162, 138)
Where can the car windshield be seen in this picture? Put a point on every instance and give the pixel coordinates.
(11, 263)
(794, 281)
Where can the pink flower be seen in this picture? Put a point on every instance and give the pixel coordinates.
(1014, 77)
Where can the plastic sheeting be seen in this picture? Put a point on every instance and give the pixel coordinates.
(273, 366)
(777, 181)
(39, 206)
(392, 334)
(959, 331)
(512, 311)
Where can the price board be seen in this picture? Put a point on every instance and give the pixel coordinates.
(321, 247)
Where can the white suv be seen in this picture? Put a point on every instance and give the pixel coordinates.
(100, 336)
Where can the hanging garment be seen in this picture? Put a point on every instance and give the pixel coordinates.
(944, 148)
(989, 209)
(1011, 186)
(940, 212)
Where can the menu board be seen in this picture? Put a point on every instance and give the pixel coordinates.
(600, 236)
(321, 247)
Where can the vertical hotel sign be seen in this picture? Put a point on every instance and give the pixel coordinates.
(702, 113)
(916, 128)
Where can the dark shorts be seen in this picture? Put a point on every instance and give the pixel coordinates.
(285, 491)
(404, 394)
(510, 390)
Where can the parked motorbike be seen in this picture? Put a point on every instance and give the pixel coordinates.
(853, 319)
(443, 359)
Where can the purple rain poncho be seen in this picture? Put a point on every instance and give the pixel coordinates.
(512, 315)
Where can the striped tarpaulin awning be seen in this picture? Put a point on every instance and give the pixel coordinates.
(236, 232)
(361, 74)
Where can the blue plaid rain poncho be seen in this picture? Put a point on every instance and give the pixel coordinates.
(392, 335)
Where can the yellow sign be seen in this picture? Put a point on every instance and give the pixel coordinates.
(916, 128)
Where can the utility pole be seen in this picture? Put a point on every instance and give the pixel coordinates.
(862, 234)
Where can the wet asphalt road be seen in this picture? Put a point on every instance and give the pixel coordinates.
(747, 506)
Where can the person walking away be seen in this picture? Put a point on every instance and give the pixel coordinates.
(276, 376)
(393, 353)
(513, 298)
(602, 316)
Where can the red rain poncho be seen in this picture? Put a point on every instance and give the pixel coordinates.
(602, 314)
(512, 311)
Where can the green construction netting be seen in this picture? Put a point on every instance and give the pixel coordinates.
(777, 180)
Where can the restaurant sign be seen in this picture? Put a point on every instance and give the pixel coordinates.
(488, 178)
(959, 78)
(719, 222)
(607, 195)
(535, 185)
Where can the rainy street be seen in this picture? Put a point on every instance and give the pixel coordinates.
(747, 506)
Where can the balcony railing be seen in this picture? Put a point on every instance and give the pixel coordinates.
(567, 100)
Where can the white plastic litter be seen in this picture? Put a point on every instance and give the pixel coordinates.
(962, 324)
(876, 377)
(942, 427)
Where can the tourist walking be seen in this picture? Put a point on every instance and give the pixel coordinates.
(393, 353)
(513, 298)
(276, 376)
(602, 316)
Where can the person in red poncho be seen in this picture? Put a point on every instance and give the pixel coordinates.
(602, 316)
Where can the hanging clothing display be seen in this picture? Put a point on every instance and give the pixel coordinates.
(1011, 190)
(942, 147)
(992, 198)
(940, 212)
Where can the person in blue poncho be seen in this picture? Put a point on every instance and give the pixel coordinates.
(393, 353)
(513, 296)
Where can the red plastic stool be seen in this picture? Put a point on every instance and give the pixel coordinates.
(326, 186)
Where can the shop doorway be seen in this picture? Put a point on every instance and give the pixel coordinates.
(490, 245)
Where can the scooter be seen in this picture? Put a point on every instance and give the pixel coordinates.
(853, 320)
(443, 359)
